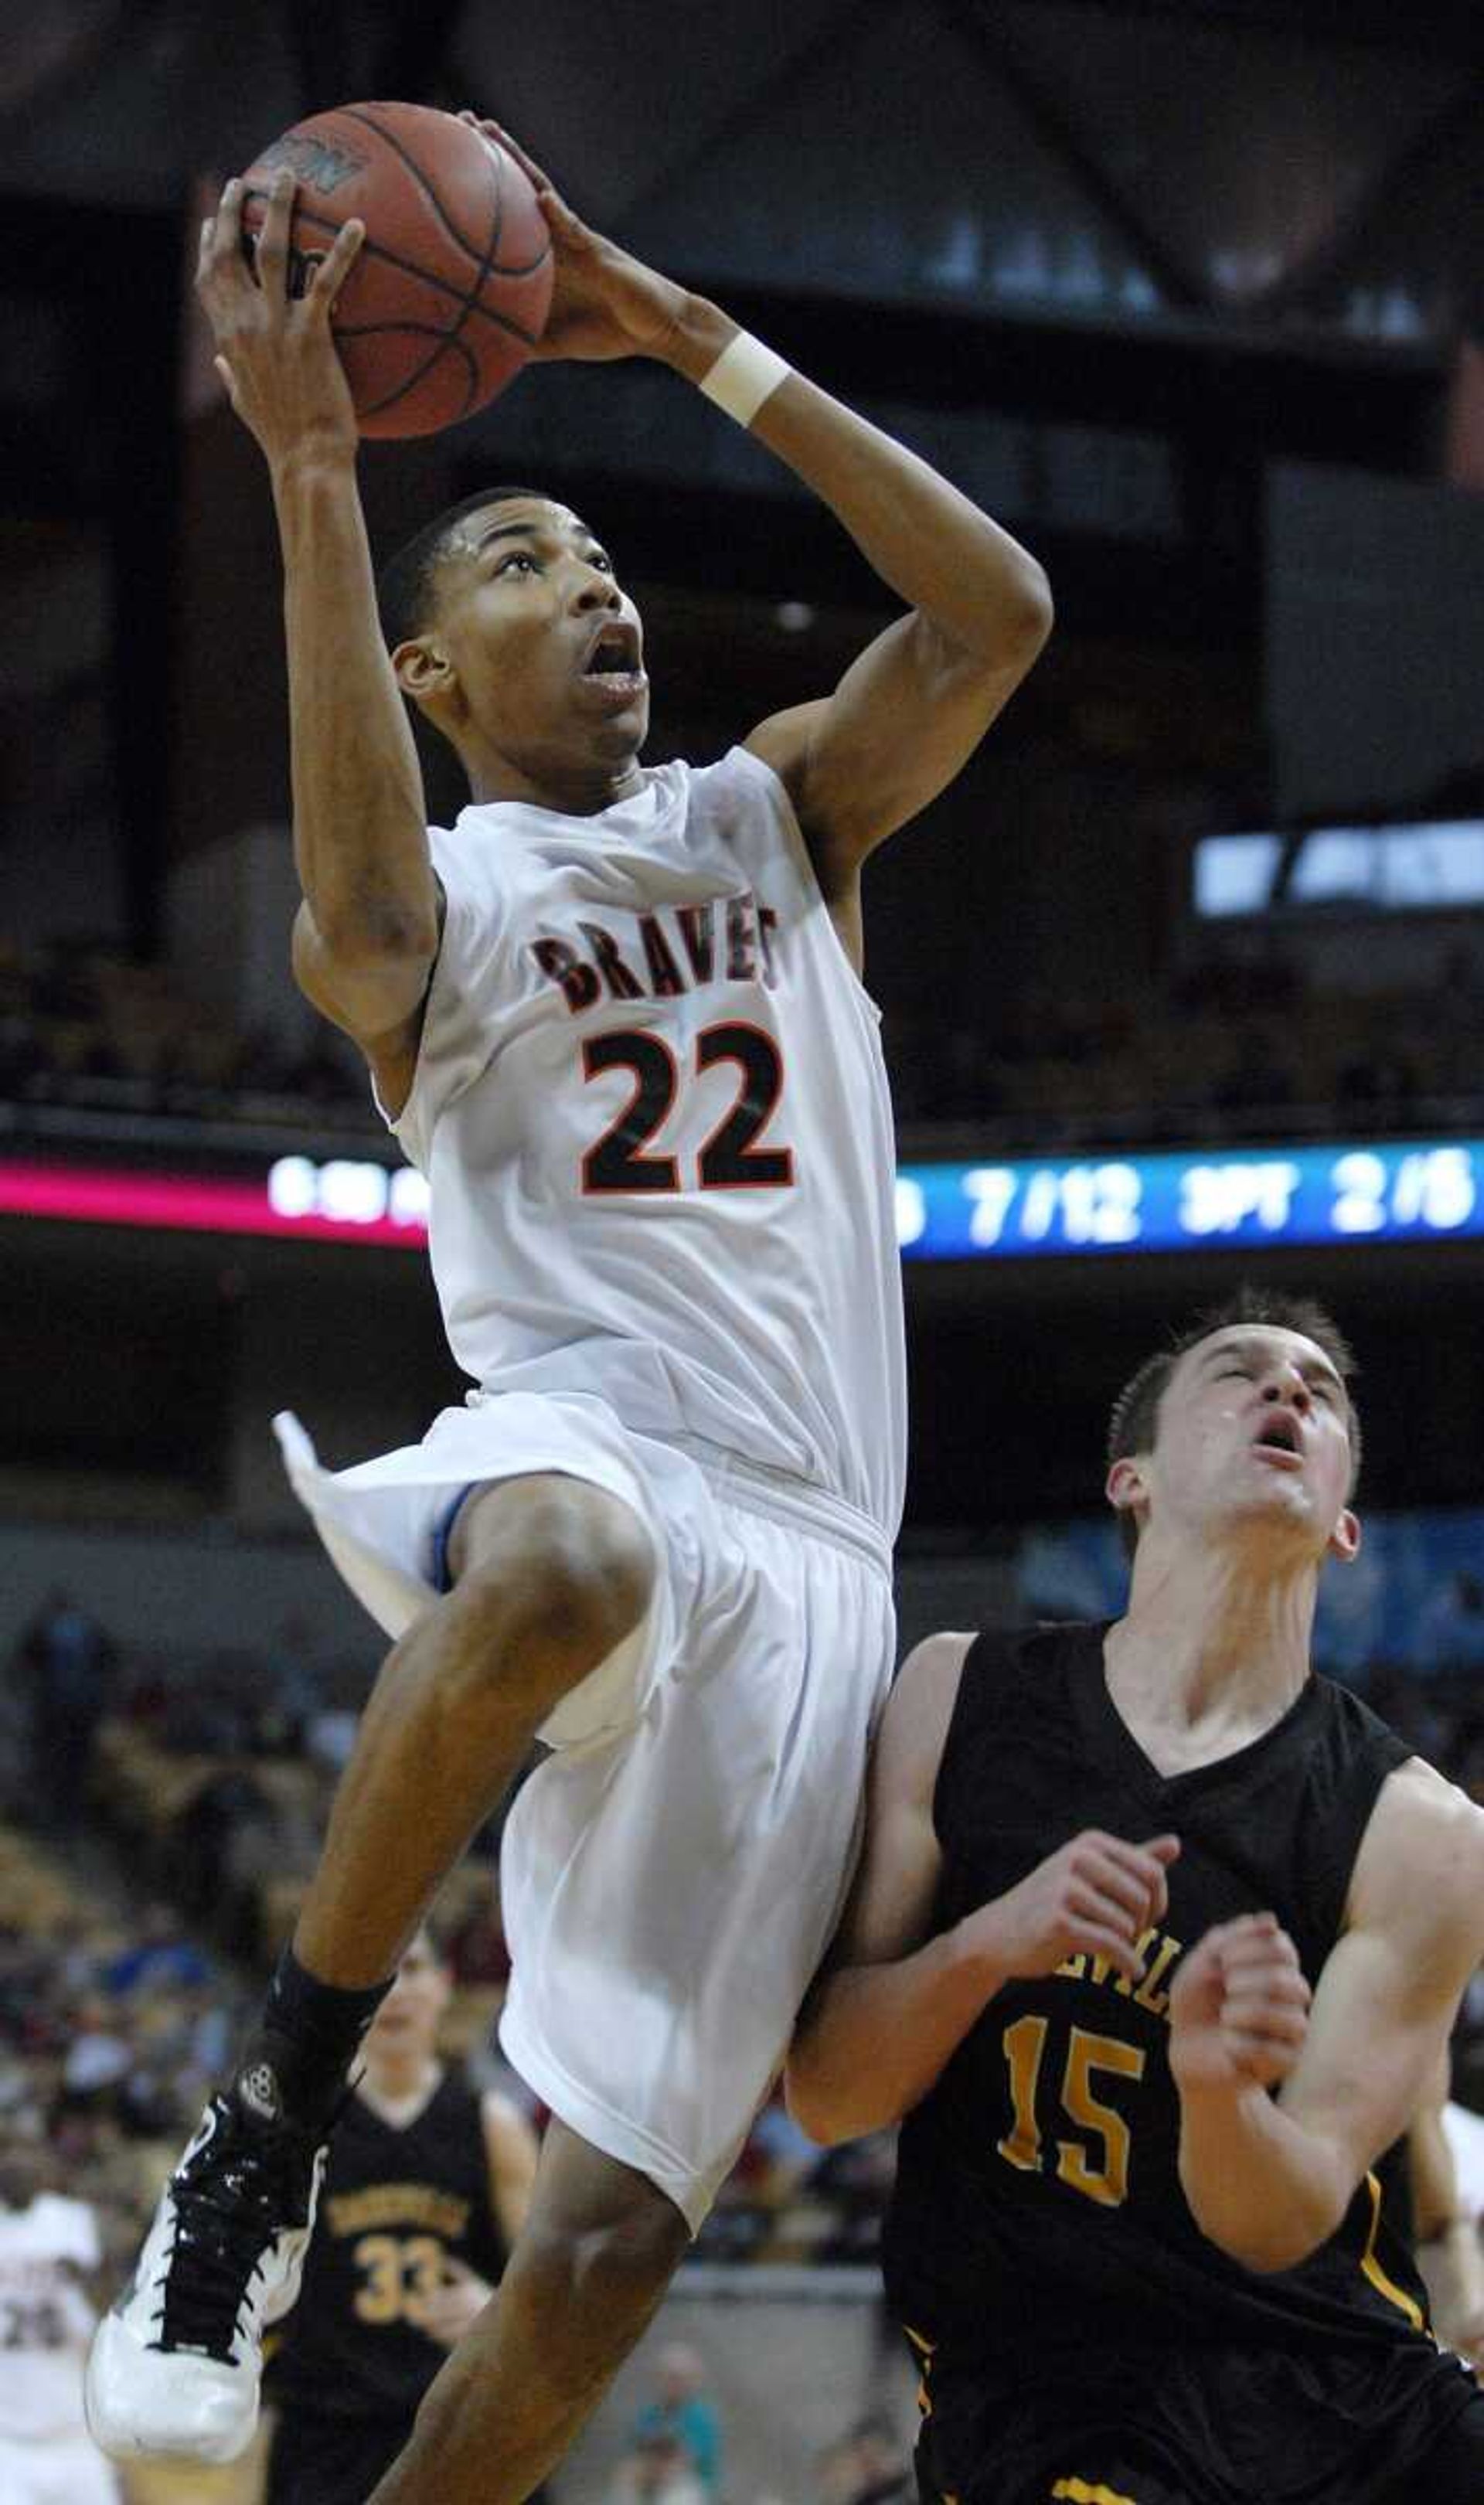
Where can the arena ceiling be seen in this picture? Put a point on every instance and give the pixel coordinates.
(1295, 163)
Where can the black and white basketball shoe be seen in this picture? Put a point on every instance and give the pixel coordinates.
(176, 2363)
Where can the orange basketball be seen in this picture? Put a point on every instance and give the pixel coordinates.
(448, 294)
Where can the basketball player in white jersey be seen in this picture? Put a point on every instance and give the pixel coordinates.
(50, 2250)
(616, 1015)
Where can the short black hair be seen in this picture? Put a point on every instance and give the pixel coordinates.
(1135, 1419)
(405, 584)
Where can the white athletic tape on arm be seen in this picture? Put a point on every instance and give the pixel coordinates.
(745, 374)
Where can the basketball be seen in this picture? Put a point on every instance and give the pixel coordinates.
(450, 291)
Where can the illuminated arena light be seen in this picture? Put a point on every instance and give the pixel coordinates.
(346, 1200)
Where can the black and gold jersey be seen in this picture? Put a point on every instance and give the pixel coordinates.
(1038, 2242)
(395, 2206)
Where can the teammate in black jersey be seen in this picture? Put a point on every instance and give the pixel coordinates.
(426, 2187)
(1137, 2237)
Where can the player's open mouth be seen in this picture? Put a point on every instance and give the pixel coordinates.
(1279, 1443)
(613, 669)
(613, 653)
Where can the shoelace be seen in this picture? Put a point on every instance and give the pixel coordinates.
(223, 2226)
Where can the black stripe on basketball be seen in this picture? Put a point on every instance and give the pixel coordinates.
(441, 339)
(486, 264)
(497, 164)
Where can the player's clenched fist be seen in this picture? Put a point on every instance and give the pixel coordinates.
(1238, 2007)
(1096, 1895)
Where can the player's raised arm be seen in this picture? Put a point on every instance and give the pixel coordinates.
(892, 2006)
(913, 708)
(369, 931)
(1270, 2179)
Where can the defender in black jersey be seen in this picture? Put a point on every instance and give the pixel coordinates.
(1138, 2238)
(426, 2186)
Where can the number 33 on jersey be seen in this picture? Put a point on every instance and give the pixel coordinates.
(652, 1095)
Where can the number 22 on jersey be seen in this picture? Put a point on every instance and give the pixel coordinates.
(624, 1158)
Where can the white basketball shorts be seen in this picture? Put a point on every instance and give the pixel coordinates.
(671, 1875)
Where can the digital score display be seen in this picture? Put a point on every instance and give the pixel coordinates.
(1013, 1209)
(1345, 1194)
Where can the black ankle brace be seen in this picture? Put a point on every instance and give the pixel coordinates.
(307, 2037)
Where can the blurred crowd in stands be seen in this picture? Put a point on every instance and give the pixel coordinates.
(117, 2016)
(1237, 1048)
(681, 2446)
(82, 1030)
(114, 2023)
(198, 1800)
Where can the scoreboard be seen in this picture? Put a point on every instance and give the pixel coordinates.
(1005, 1210)
(1172, 1203)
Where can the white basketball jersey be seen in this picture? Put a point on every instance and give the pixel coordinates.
(46, 2320)
(653, 1116)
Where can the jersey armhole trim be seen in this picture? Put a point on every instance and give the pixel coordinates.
(1370, 1779)
(984, 1639)
(804, 863)
(425, 1003)
(419, 1148)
